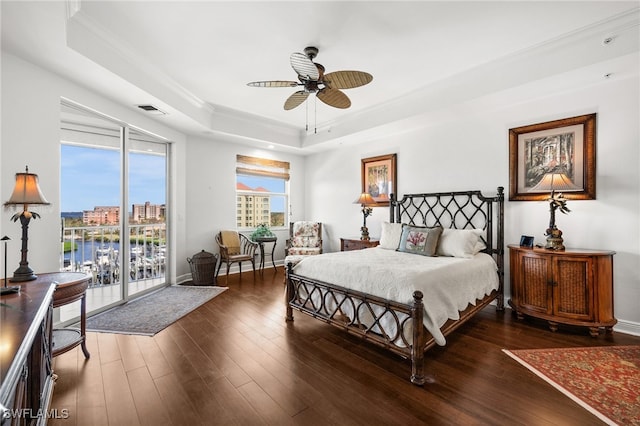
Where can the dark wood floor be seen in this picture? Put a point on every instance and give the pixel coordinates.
(236, 361)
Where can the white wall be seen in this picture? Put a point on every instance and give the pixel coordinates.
(466, 147)
(211, 193)
(31, 136)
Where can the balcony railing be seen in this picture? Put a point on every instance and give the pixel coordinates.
(98, 251)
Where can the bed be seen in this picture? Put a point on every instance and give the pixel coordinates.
(396, 298)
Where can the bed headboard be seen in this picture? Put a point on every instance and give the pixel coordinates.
(459, 210)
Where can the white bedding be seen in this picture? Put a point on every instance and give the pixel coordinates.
(449, 284)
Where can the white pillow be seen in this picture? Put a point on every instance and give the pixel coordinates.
(390, 235)
(461, 242)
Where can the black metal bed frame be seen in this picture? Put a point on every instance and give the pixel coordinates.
(324, 301)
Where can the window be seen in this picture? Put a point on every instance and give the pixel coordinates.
(262, 191)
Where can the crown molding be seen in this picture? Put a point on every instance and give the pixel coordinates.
(118, 56)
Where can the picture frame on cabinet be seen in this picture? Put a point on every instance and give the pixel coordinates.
(379, 178)
(567, 144)
(526, 241)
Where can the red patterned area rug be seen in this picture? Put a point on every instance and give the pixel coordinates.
(604, 380)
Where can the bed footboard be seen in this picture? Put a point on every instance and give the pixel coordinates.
(374, 319)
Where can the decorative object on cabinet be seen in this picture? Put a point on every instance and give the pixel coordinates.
(4, 289)
(379, 178)
(348, 244)
(26, 192)
(555, 181)
(526, 241)
(235, 248)
(538, 149)
(573, 287)
(366, 201)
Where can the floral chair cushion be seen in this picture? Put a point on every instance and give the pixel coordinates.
(304, 251)
(306, 234)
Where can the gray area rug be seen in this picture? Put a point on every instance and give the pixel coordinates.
(154, 312)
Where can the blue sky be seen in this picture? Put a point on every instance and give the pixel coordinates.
(91, 177)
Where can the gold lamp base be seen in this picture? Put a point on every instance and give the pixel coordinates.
(364, 233)
(554, 239)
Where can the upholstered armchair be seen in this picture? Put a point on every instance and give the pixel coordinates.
(305, 238)
(235, 248)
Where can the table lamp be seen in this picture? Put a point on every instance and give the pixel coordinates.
(26, 192)
(555, 181)
(365, 200)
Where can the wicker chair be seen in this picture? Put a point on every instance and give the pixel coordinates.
(235, 248)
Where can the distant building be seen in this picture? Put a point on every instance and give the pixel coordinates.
(147, 212)
(110, 215)
(252, 209)
(101, 215)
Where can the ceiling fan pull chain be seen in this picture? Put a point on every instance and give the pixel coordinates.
(306, 113)
(315, 114)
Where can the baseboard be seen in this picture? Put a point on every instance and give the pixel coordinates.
(627, 327)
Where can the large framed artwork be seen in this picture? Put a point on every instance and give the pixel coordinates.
(566, 145)
(379, 178)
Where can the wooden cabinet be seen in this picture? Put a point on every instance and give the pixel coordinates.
(347, 244)
(572, 287)
(25, 359)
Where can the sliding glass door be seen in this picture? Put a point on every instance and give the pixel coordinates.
(147, 226)
(113, 204)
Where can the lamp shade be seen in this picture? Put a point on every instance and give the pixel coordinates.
(27, 190)
(365, 199)
(555, 182)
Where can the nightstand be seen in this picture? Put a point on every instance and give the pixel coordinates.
(347, 244)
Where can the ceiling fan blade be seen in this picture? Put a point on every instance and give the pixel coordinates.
(296, 99)
(334, 98)
(273, 83)
(304, 66)
(347, 79)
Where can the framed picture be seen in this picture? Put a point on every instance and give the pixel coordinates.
(567, 145)
(379, 177)
(526, 241)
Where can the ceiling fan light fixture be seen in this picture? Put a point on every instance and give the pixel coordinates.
(314, 80)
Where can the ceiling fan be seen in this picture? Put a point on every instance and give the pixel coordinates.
(314, 80)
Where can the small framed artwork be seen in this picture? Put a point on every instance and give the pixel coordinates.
(379, 178)
(567, 146)
(526, 241)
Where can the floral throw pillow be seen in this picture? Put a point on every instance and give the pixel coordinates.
(419, 240)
